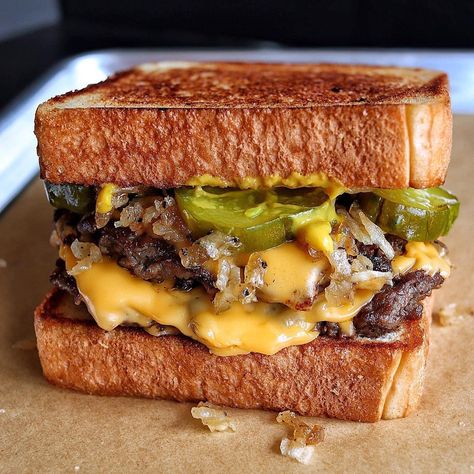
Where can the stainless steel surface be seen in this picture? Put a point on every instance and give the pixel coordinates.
(18, 161)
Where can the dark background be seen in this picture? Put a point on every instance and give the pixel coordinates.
(82, 25)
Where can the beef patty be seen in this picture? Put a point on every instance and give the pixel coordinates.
(395, 304)
(155, 260)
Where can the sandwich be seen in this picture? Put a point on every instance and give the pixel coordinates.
(250, 235)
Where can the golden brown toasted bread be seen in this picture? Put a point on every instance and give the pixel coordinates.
(178, 85)
(351, 379)
(163, 124)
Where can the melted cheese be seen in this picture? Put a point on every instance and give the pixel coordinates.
(104, 198)
(294, 180)
(280, 284)
(114, 296)
(347, 328)
(318, 236)
(402, 264)
(421, 256)
(314, 229)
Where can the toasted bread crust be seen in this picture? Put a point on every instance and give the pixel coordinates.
(162, 126)
(230, 85)
(348, 379)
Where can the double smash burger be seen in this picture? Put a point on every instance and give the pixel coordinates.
(253, 235)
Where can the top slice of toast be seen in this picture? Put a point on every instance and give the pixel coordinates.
(255, 85)
(164, 124)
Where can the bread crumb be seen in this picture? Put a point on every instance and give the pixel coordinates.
(215, 418)
(462, 424)
(295, 450)
(453, 314)
(2, 410)
(77, 468)
(300, 446)
(3, 263)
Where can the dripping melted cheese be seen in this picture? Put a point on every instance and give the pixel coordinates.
(114, 297)
(421, 256)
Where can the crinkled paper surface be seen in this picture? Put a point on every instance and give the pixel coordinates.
(45, 429)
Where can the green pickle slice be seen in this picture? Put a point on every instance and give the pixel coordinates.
(73, 197)
(261, 219)
(414, 214)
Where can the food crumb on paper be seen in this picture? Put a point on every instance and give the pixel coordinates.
(452, 314)
(2, 410)
(77, 468)
(296, 450)
(300, 446)
(215, 418)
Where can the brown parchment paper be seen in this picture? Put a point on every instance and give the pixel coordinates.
(46, 429)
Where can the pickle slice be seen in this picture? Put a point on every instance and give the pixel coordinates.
(261, 219)
(414, 214)
(371, 204)
(73, 197)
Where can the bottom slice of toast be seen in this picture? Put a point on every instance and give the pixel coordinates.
(350, 379)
